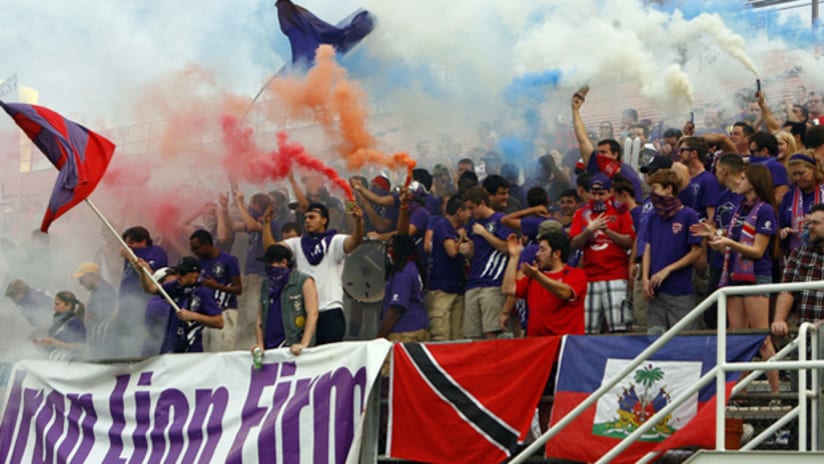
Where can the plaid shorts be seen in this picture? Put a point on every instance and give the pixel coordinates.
(605, 302)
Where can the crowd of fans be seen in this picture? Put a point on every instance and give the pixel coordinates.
(614, 230)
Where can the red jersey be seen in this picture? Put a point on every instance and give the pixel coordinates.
(603, 259)
(549, 314)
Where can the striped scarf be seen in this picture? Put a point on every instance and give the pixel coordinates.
(743, 268)
(799, 213)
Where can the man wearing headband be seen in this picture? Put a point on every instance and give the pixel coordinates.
(320, 254)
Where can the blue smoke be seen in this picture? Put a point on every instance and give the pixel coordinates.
(532, 87)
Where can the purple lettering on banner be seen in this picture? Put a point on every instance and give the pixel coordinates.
(114, 455)
(32, 399)
(9, 423)
(344, 383)
(206, 400)
(143, 410)
(90, 418)
(267, 444)
(81, 405)
(171, 399)
(290, 421)
(53, 411)
(252, 413)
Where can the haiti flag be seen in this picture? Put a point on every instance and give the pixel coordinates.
(465, 402)
(80, 155)
(587, 362)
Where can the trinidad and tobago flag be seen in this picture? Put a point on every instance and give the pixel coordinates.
(80, 155)
(465, 402)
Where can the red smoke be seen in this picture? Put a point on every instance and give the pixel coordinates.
(296, 152)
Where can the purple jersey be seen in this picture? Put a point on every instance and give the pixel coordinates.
(488, 264)
(702, 192)
(419, 217)
(194, 298)
(447, 272)
(728, 202)
(766, 224)
(404, 289)
(222, 269)
(669, 241)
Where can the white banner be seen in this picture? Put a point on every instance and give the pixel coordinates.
(191, 408)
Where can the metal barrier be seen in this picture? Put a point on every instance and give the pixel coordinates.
(718, 372)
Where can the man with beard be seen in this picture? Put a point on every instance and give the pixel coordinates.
(805, 265)
(320, 253)
(100, 308)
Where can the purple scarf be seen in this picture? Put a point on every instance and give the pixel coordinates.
(743, 268)
(315, 245)
(278, 277)
(666, 207)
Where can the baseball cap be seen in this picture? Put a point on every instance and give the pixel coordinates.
(162, 273)
(187, 264)
(657, 162)
(86, 268)
(275, 253)
(549, 226)
(600, 181)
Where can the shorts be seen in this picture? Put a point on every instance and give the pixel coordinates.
(446, 313)
(665, 310)
(482, 311)
(605, 300)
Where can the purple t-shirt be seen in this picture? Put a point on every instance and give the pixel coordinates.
(626, 172)
(529, 226)
(670, 241)
(130, 282)
(131, 298)
(778, 171)
(767, 224)
(640, 217)
(529, 254)
(405, 289)
(223, 269)
(703, 191)
(728, 202)
(447, 272)
(194, 298)
(419, 217)
(488, 264)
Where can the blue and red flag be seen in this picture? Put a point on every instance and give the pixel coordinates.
(465, 402)
(586, 362)
(306, 31)
(80, 155)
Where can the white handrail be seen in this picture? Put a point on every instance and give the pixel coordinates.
(718, 296)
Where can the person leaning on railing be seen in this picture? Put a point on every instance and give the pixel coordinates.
(805, 264)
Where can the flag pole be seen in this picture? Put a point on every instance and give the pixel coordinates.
(132, 256)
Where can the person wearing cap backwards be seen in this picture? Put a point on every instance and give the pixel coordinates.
(100, 308)
(795, 206)
(288, 312)
(379, 218)
(605, 235)
(320, 254)
(198, 308)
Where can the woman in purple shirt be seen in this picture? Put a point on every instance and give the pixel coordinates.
(67, 334)
(748, 254)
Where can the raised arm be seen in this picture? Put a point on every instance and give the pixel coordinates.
(584, 143)
(299, 195)
(767, 117)
(382, 200)
(251, 224)
(514, 248)
(720, 140)
(356, 237)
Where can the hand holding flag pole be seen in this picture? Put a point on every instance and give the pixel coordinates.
(81, 157)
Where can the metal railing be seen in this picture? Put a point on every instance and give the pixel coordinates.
(718, 372)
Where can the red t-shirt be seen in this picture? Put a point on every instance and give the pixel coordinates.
(550, 315)
(603, 259)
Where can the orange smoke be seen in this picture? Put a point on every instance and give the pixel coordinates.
(327, 96)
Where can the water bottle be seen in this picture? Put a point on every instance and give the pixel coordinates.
(257, 357)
